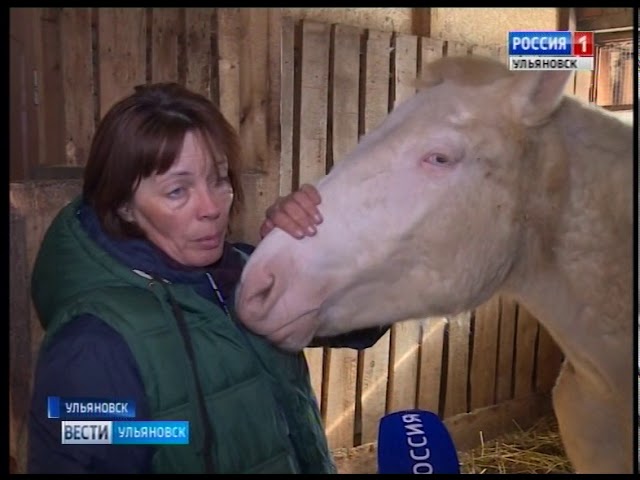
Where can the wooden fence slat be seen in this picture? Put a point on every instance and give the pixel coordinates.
(405, 336)
(629, 70)
(274, 72)
(376, 104)
(499, 52)
(502, 54)
(345, 90)
(287, 105)
(457, 365)
(373, 399)
(570, 87)
(455, 48)
(374, 361)
(603, 95)
(314, 71)
(493, 51)
(259, 173)
(77, 83)
(25, 137)
(485, 352)
(406, 51)
(315, 360)
(340, 397)
(50, 93)
(313, 101)
(486, 50)
(548, 361)
(165, 30)
(121, 53)
(198, 56)
(21, 362)
(228, 27)
(431, 350)
(582, 85)
(527, 330)
(506, 339)
(343, 362)
(431, 49)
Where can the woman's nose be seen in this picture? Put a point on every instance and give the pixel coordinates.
(209, 204)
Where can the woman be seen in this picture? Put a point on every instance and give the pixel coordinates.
(134, 287)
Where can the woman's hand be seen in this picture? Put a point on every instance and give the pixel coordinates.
(297, 213)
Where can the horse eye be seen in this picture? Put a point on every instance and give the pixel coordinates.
(438, 159)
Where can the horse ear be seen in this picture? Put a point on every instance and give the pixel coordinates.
(536, 94)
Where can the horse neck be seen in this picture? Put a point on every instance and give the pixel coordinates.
(576, 272)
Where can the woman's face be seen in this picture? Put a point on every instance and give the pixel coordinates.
(185, 210)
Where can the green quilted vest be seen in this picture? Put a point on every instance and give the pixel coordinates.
(262, 408)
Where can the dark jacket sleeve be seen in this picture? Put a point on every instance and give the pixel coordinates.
(358, 339)
(87, 358)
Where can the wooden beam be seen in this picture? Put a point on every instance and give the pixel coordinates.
(468, 430)
(617, 19)
(24, 93)
(566, 19)
(50, 88)
(421, 22)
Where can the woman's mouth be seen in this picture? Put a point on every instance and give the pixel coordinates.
(209, 242)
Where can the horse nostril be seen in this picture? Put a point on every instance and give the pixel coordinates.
(258, 298)
(261, 295)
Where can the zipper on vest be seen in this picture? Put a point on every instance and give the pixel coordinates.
(221, 300)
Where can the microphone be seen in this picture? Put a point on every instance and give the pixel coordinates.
(415, 441)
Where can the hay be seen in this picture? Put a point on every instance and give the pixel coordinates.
(536, 450)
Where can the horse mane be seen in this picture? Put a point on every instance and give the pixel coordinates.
(468, 70)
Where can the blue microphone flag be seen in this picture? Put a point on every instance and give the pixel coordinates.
(415, 441)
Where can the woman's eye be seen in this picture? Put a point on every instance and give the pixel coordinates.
(176, 192)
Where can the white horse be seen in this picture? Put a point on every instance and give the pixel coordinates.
(485, 181)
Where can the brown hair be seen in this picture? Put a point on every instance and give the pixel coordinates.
(142, 135)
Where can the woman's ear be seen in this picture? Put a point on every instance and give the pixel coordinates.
(126, 213)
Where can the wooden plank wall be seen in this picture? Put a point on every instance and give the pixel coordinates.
(32, 207)
(338, 83)
(301, 94)
(88, 58)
